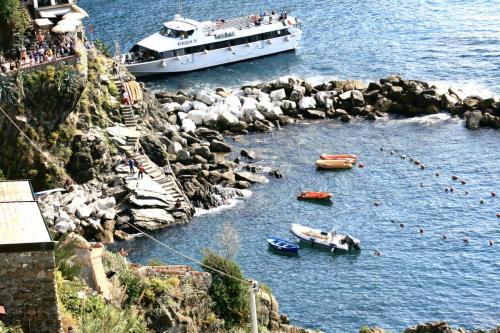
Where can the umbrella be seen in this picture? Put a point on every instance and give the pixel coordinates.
(70, 22)
(77, 9)
(74, 16)
(62, 29)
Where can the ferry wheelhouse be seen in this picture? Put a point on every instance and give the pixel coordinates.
(185, 45)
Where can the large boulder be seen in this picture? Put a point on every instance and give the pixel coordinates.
(210, 119)
(307, 103)
(196, 116)
(205, 98)
(197, 105)
(473, 119)
(174, 147)
(289, 108)
(188, 125)
(225, 120)
(154, 149)
(278, 95)
(217, 146)
(250, 177)
(151, 218)
(203, 151)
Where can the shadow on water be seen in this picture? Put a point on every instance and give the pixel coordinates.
(318, 202)
(281, 253)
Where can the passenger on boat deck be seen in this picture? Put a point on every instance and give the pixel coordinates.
(283, 16)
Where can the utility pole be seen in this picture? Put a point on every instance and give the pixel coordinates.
(254, 286)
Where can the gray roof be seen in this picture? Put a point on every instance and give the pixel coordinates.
(22, 227)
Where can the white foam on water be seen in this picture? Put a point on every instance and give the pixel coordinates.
(230, 203)
(464, 88)
(427, 120)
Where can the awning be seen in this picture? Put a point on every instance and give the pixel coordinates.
(74, 16)
(43, 22)
(62, 29)
(179, 25)
(45, 14)
(52, 12)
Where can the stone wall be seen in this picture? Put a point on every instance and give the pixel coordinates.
(28, 290)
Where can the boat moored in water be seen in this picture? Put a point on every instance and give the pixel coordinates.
(346, 157)
(334, 164)
(185, 45)
(328, 239)
(282, 245)
(311, 195)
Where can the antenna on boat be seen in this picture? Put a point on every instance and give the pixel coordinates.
(181, 3)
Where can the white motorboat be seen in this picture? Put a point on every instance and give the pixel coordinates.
(329, 239)
(185, 45)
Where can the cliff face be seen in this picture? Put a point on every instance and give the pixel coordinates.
(58, 108)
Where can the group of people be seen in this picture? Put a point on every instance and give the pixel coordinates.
(266, 17)
(46, 48)
(132, 164)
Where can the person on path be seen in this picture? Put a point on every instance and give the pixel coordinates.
(131, 166)
(141, 171)
(125, 99)
(115, 68)
(178, 204)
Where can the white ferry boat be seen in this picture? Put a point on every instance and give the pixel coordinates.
(185, 45)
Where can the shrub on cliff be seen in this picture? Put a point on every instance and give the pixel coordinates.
(229, 295)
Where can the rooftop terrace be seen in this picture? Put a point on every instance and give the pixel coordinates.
(22, 227)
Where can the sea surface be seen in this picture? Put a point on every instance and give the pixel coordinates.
(448, 42)
(420, 276)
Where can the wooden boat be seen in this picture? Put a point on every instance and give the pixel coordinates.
(346, 157)
(328, 239)
(310, 195)
(282, 245)
(334, 164)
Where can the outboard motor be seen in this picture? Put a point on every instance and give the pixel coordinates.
(353, 243)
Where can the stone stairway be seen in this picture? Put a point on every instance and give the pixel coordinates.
(168, 183)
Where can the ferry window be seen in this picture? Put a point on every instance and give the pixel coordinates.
(240, 41)
(179, 52)
(198, 49)
(209, 47)
(170, 33)
(167, 54)
(284, 32)
(220, 45)
(253, 38)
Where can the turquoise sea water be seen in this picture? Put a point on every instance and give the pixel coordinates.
(419, 277)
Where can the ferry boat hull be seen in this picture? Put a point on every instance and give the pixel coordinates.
(206, 59)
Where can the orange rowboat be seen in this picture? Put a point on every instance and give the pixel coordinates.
(334, 164)
(348, 157)
(311, 195)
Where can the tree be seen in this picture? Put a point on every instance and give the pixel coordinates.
(229, 241)
(229, 292)
(13, 18)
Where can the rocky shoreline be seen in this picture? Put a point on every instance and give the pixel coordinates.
(184, 134)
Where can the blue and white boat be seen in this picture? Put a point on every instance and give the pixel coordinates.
(282, 245)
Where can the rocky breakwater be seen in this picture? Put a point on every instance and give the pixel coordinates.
(430, 327)
(261, 107)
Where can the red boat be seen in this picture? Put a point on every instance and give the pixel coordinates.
(310, 195)
(345, 157)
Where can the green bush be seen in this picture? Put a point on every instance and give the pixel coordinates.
(229, 295)
(99, 44)
(63, 253)
(10, 329)
(132, 284)
(113, 320)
